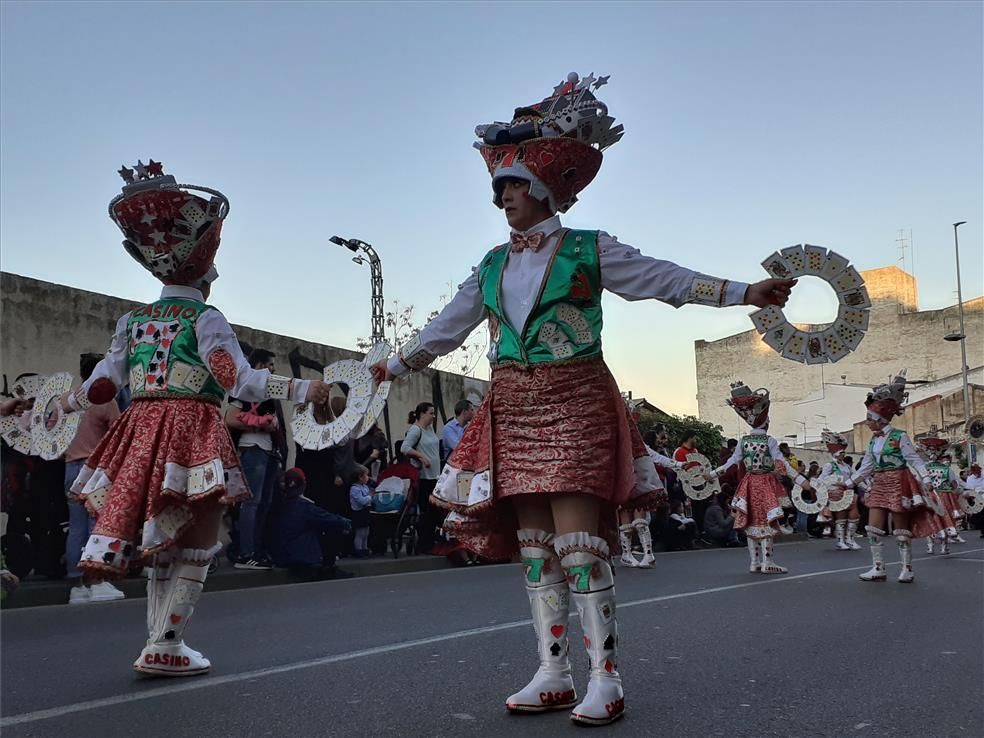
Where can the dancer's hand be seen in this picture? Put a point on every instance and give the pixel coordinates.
(381, 373)
(769, 292)
(318, 392)
(13, 406)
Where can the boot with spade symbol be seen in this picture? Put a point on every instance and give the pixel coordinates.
(646, 539)
(585, 559)
(170, 604)
(625, 539)
(552, 687)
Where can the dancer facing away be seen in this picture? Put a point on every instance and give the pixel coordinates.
(845, 521)
(757, 501)
(551, 453)
(894, 489)
(158, 480)
(945, 478)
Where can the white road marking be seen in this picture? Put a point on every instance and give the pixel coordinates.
(198, 683)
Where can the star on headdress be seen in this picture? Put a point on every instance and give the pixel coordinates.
(141, 170)
(126, 173)
(155, 168)
(602, 81)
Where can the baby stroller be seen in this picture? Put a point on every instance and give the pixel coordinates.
(392, 518)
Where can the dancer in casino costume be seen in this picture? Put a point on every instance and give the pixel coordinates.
(757, 501)
(845, 521)
(894, 489)
(945, 478)
(551, 453)
(158, 480)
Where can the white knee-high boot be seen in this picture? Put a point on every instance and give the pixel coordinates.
(625, 540)
(754, 556)
(840, 527)
(768, 565)
(852, 529)
(877, 571)
(641, 526)
(585, 559)
(552, 687)
(904, 539)
(170, 605)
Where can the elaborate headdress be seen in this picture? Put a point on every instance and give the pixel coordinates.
(555, 145)
(835, 441)
(933, 444)
(885, 401)
(171, 232)
(753, 407)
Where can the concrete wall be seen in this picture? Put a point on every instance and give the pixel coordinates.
(806, 398)
(44, 327)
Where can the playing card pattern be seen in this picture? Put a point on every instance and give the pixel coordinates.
(51, 443)
(837, 341)
(692, 478)
(160, 334)
(804, 506)
(314, 436)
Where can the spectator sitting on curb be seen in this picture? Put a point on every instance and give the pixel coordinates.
(719, 521)
(681, 529)
(298, 528)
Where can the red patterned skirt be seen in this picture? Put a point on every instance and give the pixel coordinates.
(951, 501)
(899, 492)
(159, 461)
(757, 505)
(541, 430)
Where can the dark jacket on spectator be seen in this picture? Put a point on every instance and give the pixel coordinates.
(717, 525)
(297, 529)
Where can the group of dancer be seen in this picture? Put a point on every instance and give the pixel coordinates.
(524, 478)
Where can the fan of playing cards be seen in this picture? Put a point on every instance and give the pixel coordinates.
(846, 332)
(51, 430)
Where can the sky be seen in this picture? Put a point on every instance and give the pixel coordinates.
(749, 127)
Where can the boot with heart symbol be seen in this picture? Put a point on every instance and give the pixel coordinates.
(174, 589)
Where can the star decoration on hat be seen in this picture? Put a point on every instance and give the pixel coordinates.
(602, 81)
(155, 168)
(126, 173)
(141, 170)
(148, 219)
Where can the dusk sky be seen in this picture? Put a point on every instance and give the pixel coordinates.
(749, 127)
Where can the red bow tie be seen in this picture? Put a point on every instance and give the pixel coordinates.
(878, 433)
(533, 241)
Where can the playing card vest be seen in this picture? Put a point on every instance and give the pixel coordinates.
(756, 455)
(939, 475)
(565, 322)
(891, 457)
(163, 351)
(838, 467)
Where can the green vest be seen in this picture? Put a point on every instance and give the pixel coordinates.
(939, 475)
(891, 457)
(756, 455)
(565, 322)
(163, 351)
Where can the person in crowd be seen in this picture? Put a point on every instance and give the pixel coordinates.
(719, 519)
(299, 531)
(93, 425)
(422, 446)
(464, 411)
(681, 528)
(372, 451)
(733, 475)
(360, 498)
(258, 427)
(159, 479)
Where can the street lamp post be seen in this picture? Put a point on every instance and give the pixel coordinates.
(963, 335)
(376, 269)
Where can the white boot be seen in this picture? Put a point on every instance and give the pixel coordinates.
(625, 539)
(841, 527)
(904, 539)
(552, 687)
(755, 556)
(929, 545)
(641, 526)
(768, 565)
(944, 544)
(591, 581)
(849, 538)
(170, 605)
(877, 571)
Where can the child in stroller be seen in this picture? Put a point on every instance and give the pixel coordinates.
(393, 518)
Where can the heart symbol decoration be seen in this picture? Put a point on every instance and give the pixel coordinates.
(557, 630)
(115, 546)
(609, 666)
(587, 642)
(175, 619)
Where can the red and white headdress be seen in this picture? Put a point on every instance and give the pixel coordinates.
(885, 401)
(835, 441)
(171, 232)
(555, 145)
(933, 444)
(753, 407)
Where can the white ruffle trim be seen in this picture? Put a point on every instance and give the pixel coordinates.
(464, 487)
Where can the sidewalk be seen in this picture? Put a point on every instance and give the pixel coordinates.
(34, 592)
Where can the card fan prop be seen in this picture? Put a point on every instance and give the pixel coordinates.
(844, 335)
(692, 478)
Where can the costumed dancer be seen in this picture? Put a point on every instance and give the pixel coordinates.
(945, 478)
(551, 453)
(757, 501)
(894, 489)
(845, 521)
(158, 480)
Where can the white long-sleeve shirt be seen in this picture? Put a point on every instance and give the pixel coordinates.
(625, 271)
(835, 468)
(664, 461)
(909, 453)
(213, 333)
(774, 452)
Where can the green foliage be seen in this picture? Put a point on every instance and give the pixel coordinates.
(709, 437)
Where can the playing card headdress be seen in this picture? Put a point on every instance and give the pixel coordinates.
(753, 407)
(835, 441)
(170, 231)
(933, 444)
(885, 401)
(555, 145)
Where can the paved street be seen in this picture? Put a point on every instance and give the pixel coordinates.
(708, 650)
